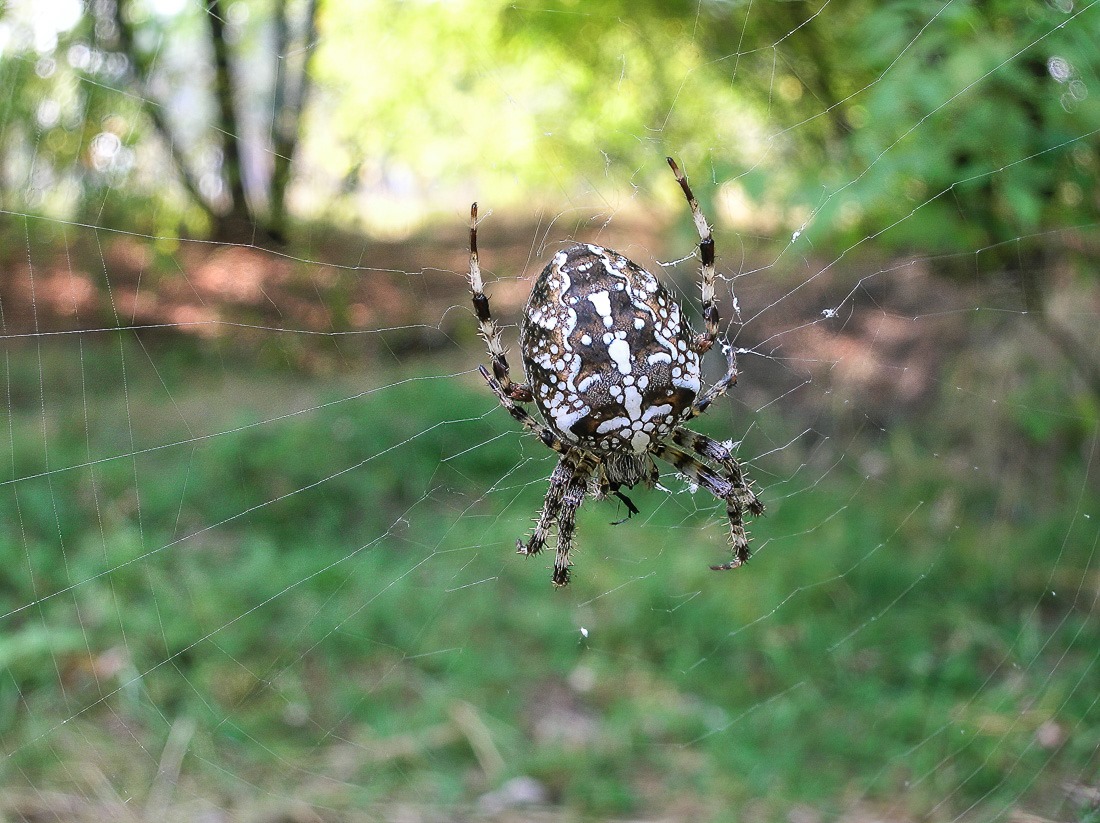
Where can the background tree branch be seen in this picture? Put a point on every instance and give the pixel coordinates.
(235, 224)
(139, 73)
(292, 82)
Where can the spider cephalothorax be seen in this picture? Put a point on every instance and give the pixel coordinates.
(613, 365)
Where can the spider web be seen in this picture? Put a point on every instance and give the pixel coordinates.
(341, 629)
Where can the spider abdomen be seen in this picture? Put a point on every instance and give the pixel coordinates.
(607, 352)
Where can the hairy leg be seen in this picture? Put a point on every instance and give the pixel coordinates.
(724, 488)
(574, 496)
(540, 430)
(711, 317)
(703, 401)
(487, 327)
(551, 507)
(711, 449)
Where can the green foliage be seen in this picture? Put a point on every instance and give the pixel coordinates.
(981, 124)
(523, 100)
(73, 141)
(66, 137)
(937, 127)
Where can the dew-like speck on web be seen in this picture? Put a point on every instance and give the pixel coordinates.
(1060, 69)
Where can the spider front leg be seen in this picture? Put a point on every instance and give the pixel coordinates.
(487, 327)
(551, 507)
(703, 401)
(711, 318)
(732, 490)
(541, 431)
(574, 496)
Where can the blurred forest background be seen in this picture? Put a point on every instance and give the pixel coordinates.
(257, 511)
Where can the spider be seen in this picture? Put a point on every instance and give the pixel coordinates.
(613, 366)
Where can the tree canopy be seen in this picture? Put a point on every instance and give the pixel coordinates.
(219, 117)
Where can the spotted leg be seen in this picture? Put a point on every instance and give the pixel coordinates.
(711, 317)
(574, 496)
(487, 327)
(721, 487)
(551, 507)
(542, 432)
(713, 450)
(703, 401)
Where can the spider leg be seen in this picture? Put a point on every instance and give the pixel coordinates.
(487, 327)
(567, 486)
(703, 401)
(574, 496)
(542, 432)
(724, 488)
(711, 318)
(711, 449)
(551, 507)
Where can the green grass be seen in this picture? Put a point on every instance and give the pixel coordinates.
(333, 599)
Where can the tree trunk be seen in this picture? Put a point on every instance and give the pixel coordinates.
(238, 225)
(291, 93)
(240, 217)
(139, 79)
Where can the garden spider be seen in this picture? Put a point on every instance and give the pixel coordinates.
(613, 366)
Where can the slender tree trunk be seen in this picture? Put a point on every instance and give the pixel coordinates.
(239, 224)
(239, 218)
(139, 79)
(291, 94)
